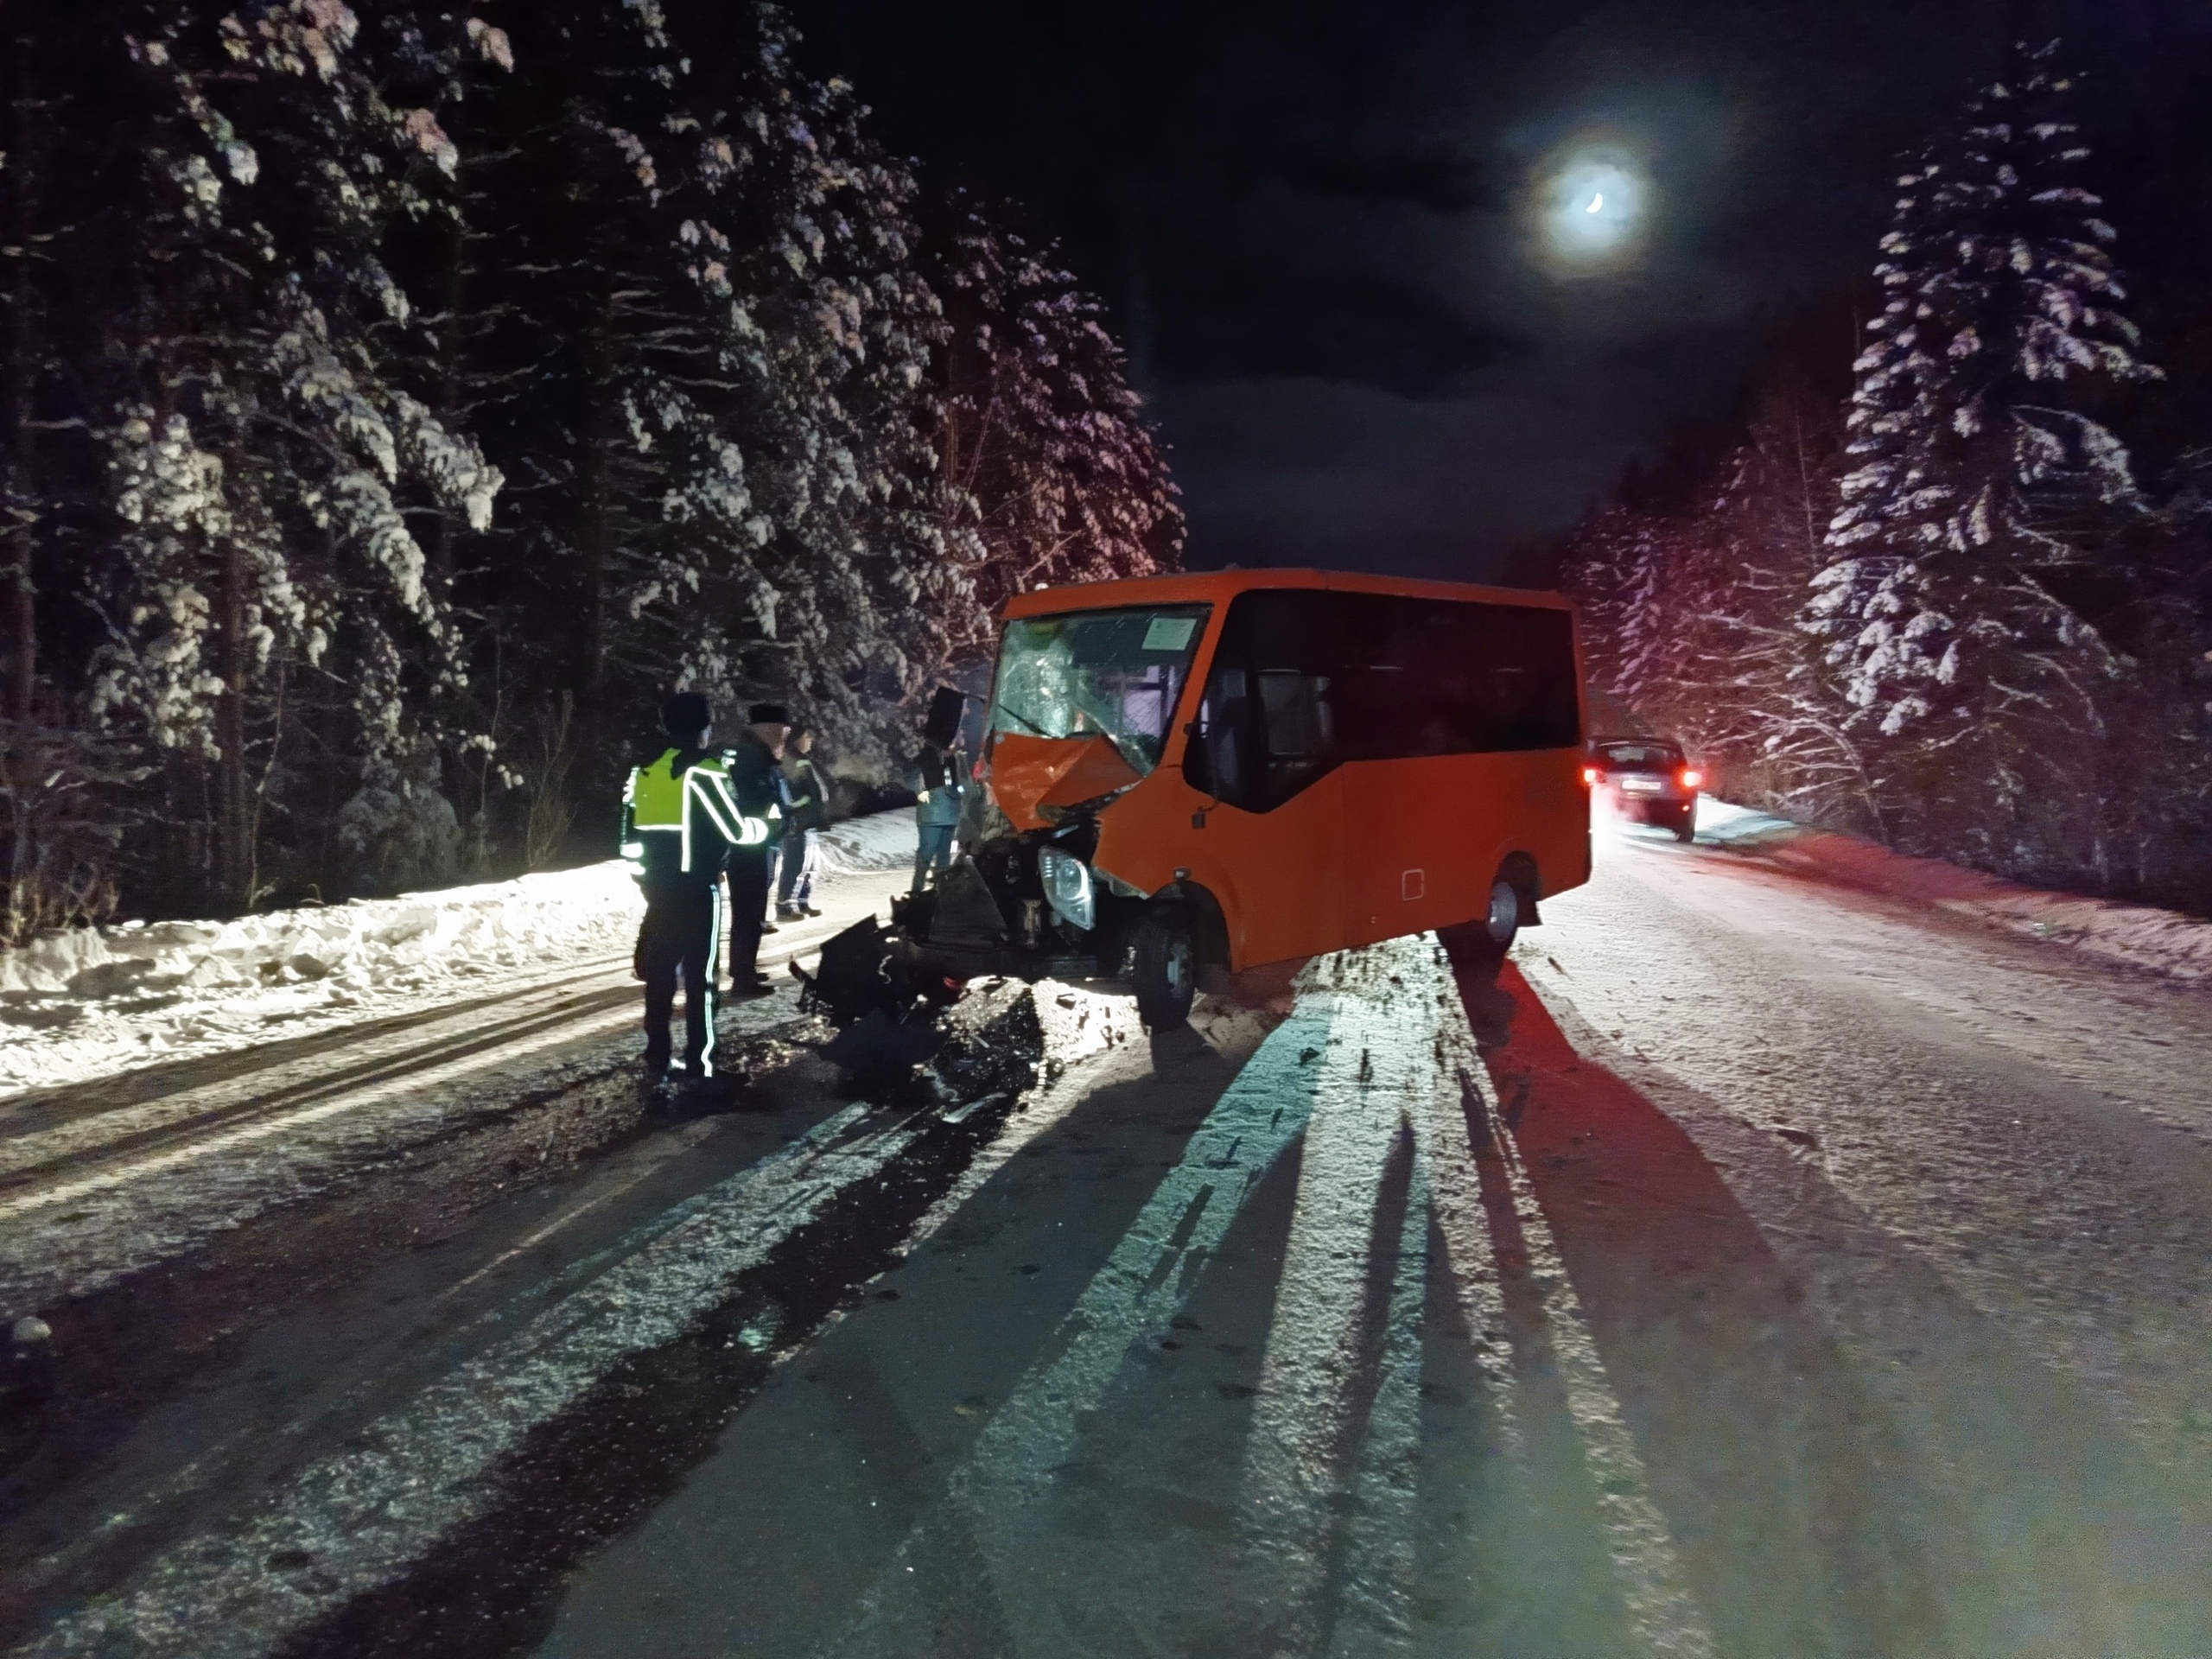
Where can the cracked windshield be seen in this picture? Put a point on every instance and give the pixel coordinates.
(1117, 673)
(633, 1027)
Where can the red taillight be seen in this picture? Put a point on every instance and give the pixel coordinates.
(1589, 776)
(1692, 776)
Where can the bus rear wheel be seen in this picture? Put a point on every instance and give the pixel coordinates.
(1164, 967)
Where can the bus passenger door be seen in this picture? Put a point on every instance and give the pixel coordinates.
(1275, 833)
(1283, 869)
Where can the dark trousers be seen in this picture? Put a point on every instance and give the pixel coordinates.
(748, 908)
(680, 937)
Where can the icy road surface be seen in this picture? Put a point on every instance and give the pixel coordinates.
(1749, 1267)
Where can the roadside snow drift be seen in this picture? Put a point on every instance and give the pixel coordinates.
(94, 1002)
(2139, 936)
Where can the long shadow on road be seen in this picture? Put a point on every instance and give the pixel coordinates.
(841, 1504)
(1964, 1500)
(1777, 1479)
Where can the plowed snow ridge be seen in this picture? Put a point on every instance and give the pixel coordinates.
(92, 1003)
(2138, 935)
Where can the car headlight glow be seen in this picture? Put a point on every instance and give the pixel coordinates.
(1067, 887)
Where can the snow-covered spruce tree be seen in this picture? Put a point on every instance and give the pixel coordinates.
(1042, 439)
(707, 380)
(1597, 566)
(1777, 723)
(1984, 489)
(259, 462)
(1624, 567)
(861, 591)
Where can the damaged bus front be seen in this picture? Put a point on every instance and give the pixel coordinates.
(1081, 710)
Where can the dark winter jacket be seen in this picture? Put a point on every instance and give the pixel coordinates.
(809, 794)
(938, 779)
(757, 781)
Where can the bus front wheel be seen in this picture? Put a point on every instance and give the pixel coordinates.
(1164, 967)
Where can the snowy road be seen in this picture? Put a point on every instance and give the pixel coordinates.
(1750, 1267)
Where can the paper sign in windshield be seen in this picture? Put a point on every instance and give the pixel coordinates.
(1170, 633)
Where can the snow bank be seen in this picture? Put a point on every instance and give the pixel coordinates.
(2164, 941)
(882, 840)
(93, 1001)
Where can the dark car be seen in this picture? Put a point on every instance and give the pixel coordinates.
(1645, 781)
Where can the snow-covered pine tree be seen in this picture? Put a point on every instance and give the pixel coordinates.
(1594, 568)
(716, 343)
(1775, 726)
(807, 244)
(1984, 489)
(259, 462)
(1042, 439)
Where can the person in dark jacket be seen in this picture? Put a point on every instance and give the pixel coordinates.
(681, 824)
(757, 782)
(938, 777)
(783, 783)
(805, 816)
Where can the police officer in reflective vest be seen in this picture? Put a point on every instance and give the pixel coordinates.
(680, 825)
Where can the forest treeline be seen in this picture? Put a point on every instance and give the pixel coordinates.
(1943, 579)
(398, 403)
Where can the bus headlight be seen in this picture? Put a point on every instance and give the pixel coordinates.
(1067, 887)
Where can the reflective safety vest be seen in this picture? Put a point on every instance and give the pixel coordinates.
(689, 806)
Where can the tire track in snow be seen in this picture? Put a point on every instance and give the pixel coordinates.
(282, 1058)
(570, 1005)
(142, 1140)
(355, 1520)
(101, 1212)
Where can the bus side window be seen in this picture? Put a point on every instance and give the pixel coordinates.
(1300, 726)
(1297, 713)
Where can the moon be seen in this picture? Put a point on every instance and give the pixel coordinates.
(1590, 208)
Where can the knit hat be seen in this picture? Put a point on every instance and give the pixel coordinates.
(769, 714)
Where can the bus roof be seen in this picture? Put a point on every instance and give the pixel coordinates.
(1218, 587)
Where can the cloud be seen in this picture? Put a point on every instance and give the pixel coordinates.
(1363, 329)
(1438, 178)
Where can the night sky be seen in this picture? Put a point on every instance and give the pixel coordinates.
(1313, 221)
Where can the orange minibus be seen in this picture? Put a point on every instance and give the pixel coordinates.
(1189, 775)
